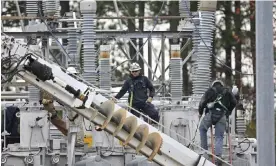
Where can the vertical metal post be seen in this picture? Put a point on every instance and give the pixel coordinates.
(163, 62)
(264, 80)
(105, 68)
(149, 58)
(175, 73)
(121, 26)
(19, 14)
(46, 49)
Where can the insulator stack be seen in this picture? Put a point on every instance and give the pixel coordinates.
(240, 126)
(194, 78)
(44, 6)
(50, 7)
(72, 45)
(176, 73)
(34, 93)
(184, 8)
(31, 8)
(202, 42)
(32, 11)
(57, 13)
(105, 69)
(88, 11)
(240, 123)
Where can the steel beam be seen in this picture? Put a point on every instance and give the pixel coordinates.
(114, 84)
(109, 34)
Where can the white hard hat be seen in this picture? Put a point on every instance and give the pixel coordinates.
(235, 90)
(135, 67)
(71, 70)
(217, 81)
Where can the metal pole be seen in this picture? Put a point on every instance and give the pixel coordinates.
(19, 14)
(163, 63)
(149, 59)
(121, 26)
(264, 88)
(105, 17)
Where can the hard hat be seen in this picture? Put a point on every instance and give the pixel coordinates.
(135, 67)
(235, 90)
(217, 81)
(71, 70)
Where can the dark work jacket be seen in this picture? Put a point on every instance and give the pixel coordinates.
(140, 86)
(12, 122)
(228, 99)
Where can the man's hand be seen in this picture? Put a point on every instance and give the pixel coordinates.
(114, 99)
(149, 100)
(199, 116)
(48, 105)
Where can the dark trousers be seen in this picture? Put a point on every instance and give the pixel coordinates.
(147, 109)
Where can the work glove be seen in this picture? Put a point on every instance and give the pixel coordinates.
(199, 116)
(149, 100)
(114, 99)
(48, 105)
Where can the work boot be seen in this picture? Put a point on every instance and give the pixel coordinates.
(218, 162)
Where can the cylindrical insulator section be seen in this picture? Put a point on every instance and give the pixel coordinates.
(88, 10)
(72, 45)
(31, 8)
(50, 7)
(44, 6)
(202, 40)
(34, 93)
(176, 73)
(184, 8)
(195, 40)
(105, 69)
(240, 125)
(57, 14)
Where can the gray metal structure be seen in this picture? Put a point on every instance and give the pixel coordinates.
(74, 58)
(88, 10)
(265, 83)
(105, 69)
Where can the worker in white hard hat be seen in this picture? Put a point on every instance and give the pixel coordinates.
(74, 118)
(137, 86)
(218, 103)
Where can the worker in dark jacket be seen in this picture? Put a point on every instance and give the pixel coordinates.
(218, 103)
(137, 86)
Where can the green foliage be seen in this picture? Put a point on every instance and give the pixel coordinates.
(155, 7)
(104, 7)
(251, 129)
(59, 113)
(194, 6)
